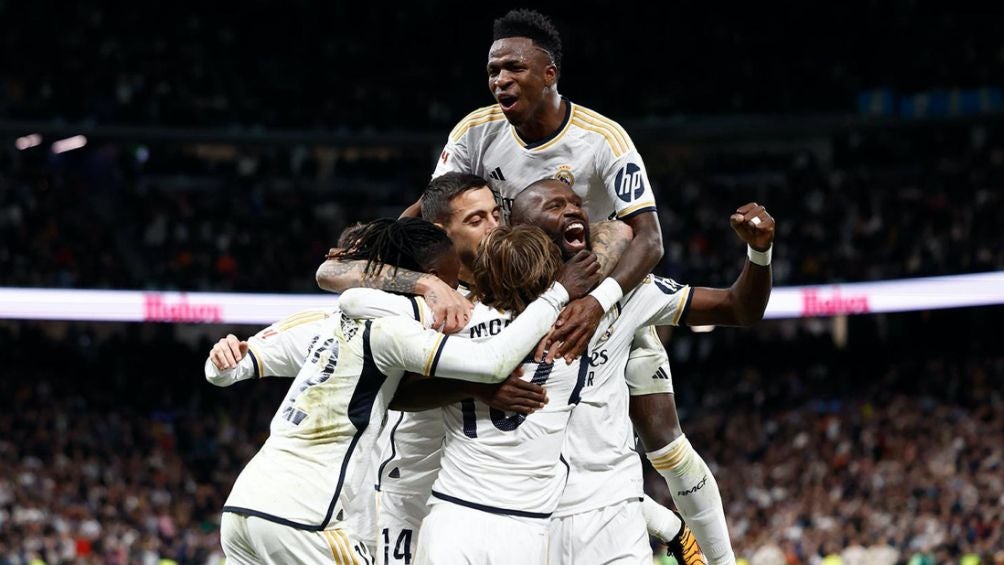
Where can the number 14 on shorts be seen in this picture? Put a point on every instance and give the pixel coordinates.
(402, 547)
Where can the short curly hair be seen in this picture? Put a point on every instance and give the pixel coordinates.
(533, 25)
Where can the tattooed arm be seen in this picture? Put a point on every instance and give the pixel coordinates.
(452, 310)
(610, 239)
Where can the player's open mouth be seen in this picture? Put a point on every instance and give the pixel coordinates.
(507, 101)
(575, 236)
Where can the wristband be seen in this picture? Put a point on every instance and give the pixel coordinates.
(607, 293)
(761, 258)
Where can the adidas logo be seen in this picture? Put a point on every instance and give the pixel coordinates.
(660, 374)
(395, 473)
(497, 174)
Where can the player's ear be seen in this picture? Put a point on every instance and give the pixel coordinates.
(550, 75)
(439, 225)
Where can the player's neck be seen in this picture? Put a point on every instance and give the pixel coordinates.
(547, 122)
(465, 274)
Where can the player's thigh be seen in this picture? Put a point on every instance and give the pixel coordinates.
(615, 534)
(647, 370)
(276, 544)
(455, 534)
(399, 522)
(234, 538)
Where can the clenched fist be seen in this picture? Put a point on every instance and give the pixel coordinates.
(754, 225)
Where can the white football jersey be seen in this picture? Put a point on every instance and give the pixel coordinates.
(276, 351)
(281, 349)
(604, 468)
(508, 463)
(590, 152)
(312, 466)
(409, 447)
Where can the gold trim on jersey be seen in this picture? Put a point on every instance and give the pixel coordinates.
(541, 147)
(683, 305)
(346, 545)
(432, 354)
(336, 552)
(257, 360)
(635, 208)
(600, 119)
(478, 117)
(615, 136)
(615, 146)
(301, 318)
(341, 547)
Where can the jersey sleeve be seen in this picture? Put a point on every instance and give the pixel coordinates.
(402, 343)
(455, 157)
(657, 301)
(625, 177)
(370, 303)
(276, 351)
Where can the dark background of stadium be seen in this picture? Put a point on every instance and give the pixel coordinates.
(230, 144)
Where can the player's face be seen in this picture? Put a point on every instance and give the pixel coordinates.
(474, 214)
(557, 209)
(519, 74)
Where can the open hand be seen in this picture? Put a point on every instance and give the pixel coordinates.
(452, 311)
(572, 331)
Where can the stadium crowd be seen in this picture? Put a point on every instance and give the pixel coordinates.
(882, 205)
(886, 451)
(304, 65)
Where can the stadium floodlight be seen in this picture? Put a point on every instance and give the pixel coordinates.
(69, 144)
(28, 141)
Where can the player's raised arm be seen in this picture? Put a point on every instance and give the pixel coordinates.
(276, 351)
(342, 270)
(745, 301)
(634, 202)
(369, 303)
(610, 239)
(643, 253)
(402, 343)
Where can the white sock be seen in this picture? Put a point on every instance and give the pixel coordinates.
(696, 495)
(661, 521)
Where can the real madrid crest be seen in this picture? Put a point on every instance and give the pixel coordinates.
(565, 175)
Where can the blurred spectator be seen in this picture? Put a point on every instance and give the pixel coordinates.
(113, 449)
(360, 66)
(217, 217)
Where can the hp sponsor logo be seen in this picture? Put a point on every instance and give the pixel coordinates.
(630, 182)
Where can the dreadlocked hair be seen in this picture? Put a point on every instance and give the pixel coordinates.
(405, 243)
(514, 265)
(533, 25)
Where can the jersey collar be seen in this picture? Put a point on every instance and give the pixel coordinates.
(554, 134)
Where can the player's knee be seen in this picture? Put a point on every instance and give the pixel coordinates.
(655, 420)
(656, 438)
